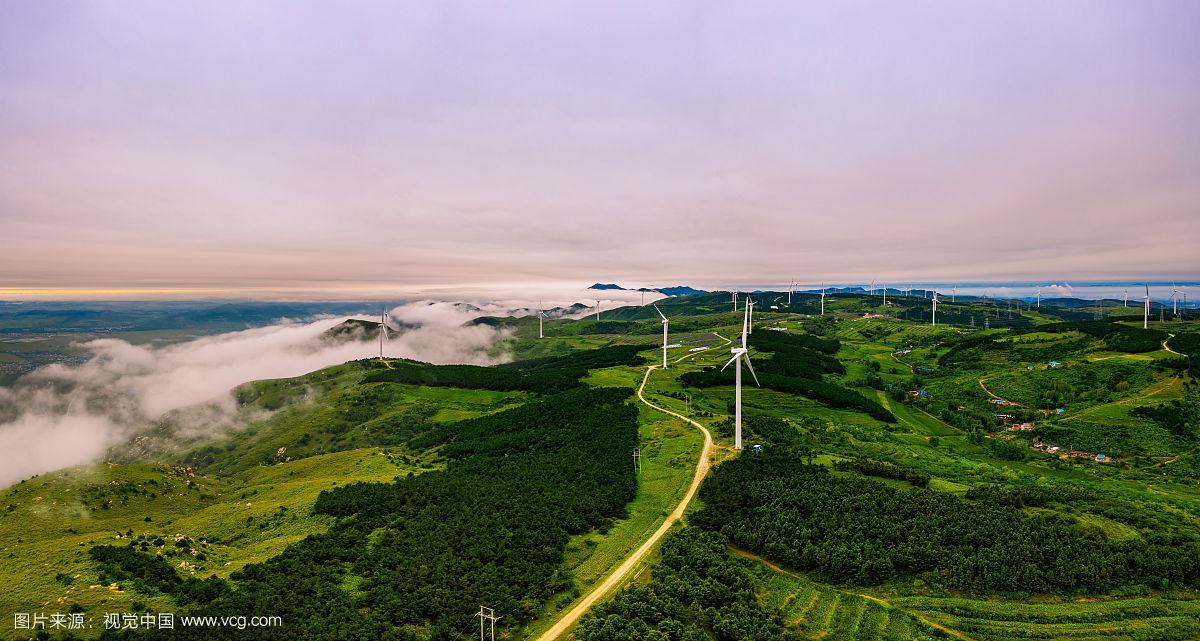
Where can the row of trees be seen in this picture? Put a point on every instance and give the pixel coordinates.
(548, 375)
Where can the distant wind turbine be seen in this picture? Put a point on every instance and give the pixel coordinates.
(1039, 296)
(933, 316)
(740, 354)
(541, 315)
(1174, 300)
(1146, 313)
(597, 309)
(733, 297)
(1126, 297)
(665, 322)
(382, 331)
(953, 293)
(822, 300)
(750, 310)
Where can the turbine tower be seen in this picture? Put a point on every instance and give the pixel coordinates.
(1174, 300)
(1146, 313)
(953, 293)
(750, 311)
(933, 316)
(541, 315)
(665, 322)
(1126, 297)
(382, 331)
(1039, 296)
(822, 301)
(740, 354)
(597, 309)
(790, 286)
(733, 297)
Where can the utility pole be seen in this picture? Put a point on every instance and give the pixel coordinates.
(637, 460)
(489, 615)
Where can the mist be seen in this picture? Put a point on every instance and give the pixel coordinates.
(60, 415)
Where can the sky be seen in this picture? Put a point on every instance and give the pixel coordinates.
(351, 149)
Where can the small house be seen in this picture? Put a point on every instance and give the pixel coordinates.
(1054, 363)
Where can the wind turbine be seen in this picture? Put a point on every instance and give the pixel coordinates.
(1126, 297)
(665, 322)
(1146, 313)
(541, 315)
(740, 354)
(822, 301)
(933, 316)
(382, 331)
(733, 297)
(597, 309)
(790, 286)
(953, 293)
(1039, 296)
(1174, 300)
(750, 311)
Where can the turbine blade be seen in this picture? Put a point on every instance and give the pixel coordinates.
(658, 310)
(729, 362)
(750, 367)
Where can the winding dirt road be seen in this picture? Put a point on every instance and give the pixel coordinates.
(1164, 344)
(989, 393)
(618, 575)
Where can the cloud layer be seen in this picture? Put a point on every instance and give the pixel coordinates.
(61, 415)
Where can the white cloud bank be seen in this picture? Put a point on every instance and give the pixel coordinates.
(61, 415)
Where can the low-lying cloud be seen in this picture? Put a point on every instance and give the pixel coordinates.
(63, 415)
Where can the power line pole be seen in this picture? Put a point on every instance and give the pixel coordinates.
(637, 460)
(489, 615)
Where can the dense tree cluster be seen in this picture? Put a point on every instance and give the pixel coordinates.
(858, 530)
(548, 375)
(427, 550)
(699, 592)
(1179, 417)
(1118, 337)
(883, 469)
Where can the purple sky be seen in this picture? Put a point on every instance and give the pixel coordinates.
(301, 147)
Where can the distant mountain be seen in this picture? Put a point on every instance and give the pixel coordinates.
(677, 290)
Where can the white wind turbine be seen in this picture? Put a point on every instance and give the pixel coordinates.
(665, 322)
(740, 354)
(790, 286)
(933, 316)
(597, 309)
(750, 310)
(382, 331)
(733, 297)
(541, 315)
(1146, 312)
(953, 293)
(822, 300)
(1039, 296)
(1126, 297)
(1174, 300)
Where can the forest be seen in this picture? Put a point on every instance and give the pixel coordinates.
(425, 551)
(699, 592)
(852, 529)
(545, 375)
